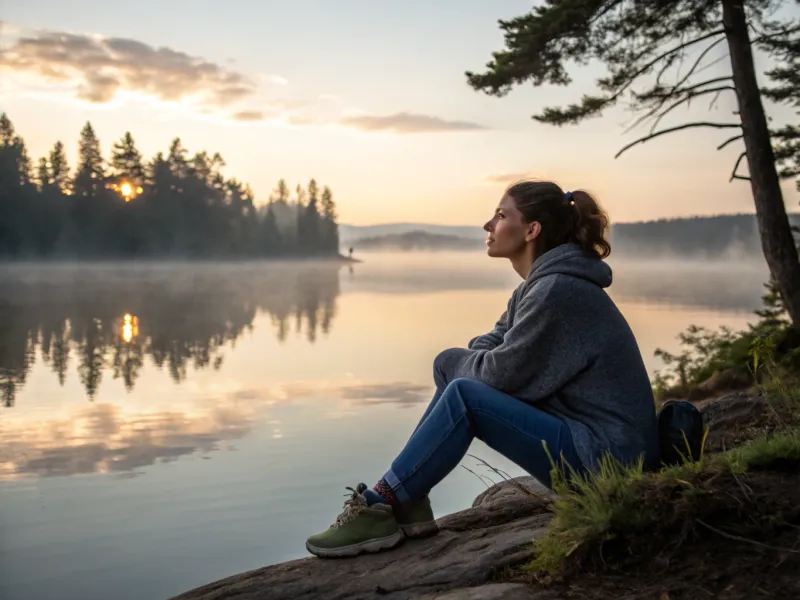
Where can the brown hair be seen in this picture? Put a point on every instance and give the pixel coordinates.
(577, 218)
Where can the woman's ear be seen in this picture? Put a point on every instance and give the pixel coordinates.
(534, 229)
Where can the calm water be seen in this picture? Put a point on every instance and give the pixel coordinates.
(165, 426)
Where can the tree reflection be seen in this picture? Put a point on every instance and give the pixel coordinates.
(105, 320)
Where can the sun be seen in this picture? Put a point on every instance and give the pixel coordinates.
(126, 189)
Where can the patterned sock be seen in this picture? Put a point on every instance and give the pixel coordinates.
(384, 490)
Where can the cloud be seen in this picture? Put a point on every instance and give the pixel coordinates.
(249, 115)
(97, 69)
(102, 70)
(404, 122)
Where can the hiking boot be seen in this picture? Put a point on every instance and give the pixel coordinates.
(357, 530)
(416, 518)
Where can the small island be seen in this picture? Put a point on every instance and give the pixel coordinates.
(174, 206)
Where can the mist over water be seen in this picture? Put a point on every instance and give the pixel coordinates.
(164, 425)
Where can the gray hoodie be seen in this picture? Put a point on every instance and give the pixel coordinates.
(563, 345)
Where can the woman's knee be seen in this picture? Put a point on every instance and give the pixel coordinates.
(438, 373)
(465, 388)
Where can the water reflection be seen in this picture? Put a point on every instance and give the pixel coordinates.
(180, 316)
(123, 439)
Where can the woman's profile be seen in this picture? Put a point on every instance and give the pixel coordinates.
(560, 369)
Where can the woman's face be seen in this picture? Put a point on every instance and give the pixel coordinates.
(508, 235)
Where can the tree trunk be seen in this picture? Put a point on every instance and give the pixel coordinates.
(777, 241)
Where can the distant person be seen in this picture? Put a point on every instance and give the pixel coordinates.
(561, 367)
(351, 252)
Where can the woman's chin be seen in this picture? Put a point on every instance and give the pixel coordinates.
(492, 251)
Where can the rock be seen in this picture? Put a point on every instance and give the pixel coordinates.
(472, 547)
(733, 418)
(506, 489)
(490, 591)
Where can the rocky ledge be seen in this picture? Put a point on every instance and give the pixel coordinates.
(471, 552)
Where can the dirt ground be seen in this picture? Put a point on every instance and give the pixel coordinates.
(742, 541)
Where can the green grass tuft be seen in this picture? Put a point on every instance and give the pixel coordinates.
(763, 452)
(618, 500)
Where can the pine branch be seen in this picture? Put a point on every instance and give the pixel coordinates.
(686, 77)
(654, 94)
(661, 99)
(736, 168)
(660, 57)
(730, 140)
(688, 98)
(678, 128)
(613, 87)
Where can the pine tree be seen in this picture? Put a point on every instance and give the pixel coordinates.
(158, 174)
(641, 43)
(774, 312)
(329, 226)
(7, 133)
(15, 165)
(310, 219)
(177, 159)
(23, 162)
(281, 193)
(43, 177)
(270, 234)
(90, 173)
(59, 168)
(126, 160)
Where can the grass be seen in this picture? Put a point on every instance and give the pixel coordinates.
(762, 453)
(659, 509)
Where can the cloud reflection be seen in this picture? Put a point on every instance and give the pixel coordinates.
(105, 438)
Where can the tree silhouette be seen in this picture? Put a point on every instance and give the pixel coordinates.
(178, 205)
(59, 168)
(90, 173)
(126, 160)
(641, 43)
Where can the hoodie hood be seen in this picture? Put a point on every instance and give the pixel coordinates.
(569, 259)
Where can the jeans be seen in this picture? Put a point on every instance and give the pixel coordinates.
(465, 409)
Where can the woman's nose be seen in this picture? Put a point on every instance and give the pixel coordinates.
(487, 226)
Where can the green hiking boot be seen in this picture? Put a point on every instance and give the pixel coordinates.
(416, 518)
(358, 529)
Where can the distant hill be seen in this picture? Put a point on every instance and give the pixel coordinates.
(723, 236)
(418, 240)
(353, 233)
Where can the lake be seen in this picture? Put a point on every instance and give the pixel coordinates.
(167, 425)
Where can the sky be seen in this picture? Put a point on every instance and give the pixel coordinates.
(369, 98)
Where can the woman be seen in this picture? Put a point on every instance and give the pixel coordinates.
(560, 375)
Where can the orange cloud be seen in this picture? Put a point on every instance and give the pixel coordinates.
(404, 122)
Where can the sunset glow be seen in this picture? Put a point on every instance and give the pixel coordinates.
(398, 122)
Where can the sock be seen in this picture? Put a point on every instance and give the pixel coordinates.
(382, 492)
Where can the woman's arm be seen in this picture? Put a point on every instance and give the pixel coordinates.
(494, 338)
(538, 354)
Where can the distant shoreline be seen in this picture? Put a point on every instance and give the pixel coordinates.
(177, 259)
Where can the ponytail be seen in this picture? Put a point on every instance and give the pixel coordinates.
(591, 225)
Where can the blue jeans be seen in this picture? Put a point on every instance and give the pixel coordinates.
(465, 409)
